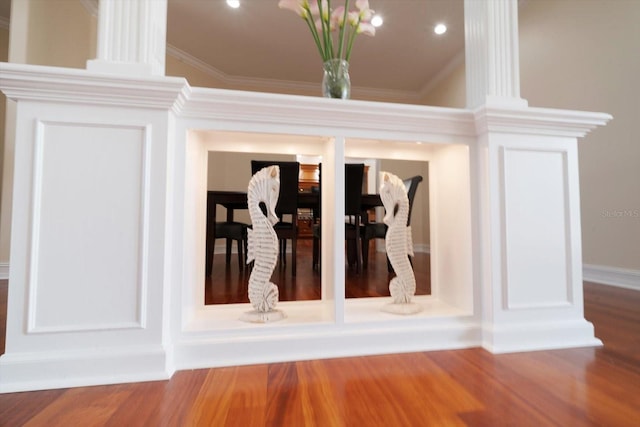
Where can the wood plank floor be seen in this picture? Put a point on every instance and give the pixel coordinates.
(573, 387)
(228, 284)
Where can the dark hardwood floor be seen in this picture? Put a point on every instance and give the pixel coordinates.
(228, 284)
(572, 387)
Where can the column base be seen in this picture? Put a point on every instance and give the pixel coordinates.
(539, 336)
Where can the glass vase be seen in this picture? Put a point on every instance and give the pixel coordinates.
(336, 82)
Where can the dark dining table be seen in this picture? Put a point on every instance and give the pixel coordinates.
(237, 200)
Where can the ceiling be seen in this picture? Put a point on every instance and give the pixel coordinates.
(261, 43)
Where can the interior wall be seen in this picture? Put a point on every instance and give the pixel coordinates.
(450, 91)
(583, 55)
(420, 214)
(54, 27)
(42, 32)
(232, 172)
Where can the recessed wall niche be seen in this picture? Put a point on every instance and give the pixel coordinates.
(221, 161)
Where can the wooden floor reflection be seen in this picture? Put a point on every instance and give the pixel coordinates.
(227, 285)
(471, 387)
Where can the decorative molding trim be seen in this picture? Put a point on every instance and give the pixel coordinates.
(531, 336)
(538, 121)
(4, 270)
(267, 112)
(5, 23)
(83, 367)
(33, 82)
(613, 276)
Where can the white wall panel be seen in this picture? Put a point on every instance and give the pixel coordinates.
(87, 231)
(536, 226)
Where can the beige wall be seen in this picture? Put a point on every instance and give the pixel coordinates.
(60, 33)
(43, 32)
(420, 215)
(585, 55)
(450, 92)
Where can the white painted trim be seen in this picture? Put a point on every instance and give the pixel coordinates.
(4, 270)
(613, 276)
(81, 368)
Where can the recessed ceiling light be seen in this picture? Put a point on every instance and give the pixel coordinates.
(440, 29)
(233, 3)
(376, 21)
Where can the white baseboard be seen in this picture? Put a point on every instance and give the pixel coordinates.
(4, 270)
(621, 277)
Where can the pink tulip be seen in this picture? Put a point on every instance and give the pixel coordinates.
(296, 6)
(322, 24)
(367, 29)
(315, 10)
(365, 13)
(337, 17)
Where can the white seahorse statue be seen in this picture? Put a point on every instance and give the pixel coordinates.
(264, 187)
(399, 244)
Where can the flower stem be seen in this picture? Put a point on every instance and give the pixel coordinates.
(344, 23)
(309, 20)
(352, 37)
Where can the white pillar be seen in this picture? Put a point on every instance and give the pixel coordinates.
(491, 53)
(528, 258)
(131, 37)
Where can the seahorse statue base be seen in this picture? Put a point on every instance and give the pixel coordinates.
(402, 308)
(255, 316)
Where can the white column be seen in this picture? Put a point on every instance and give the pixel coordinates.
(491, 53)
(131, 37)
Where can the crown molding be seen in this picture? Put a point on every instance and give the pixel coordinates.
(537, 121)
(55, 84)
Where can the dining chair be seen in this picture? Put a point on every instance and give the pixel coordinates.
(233, 231)
(353, 176)
(229, 230)
(378, 230)
(287, 206)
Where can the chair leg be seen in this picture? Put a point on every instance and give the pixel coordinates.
(245, 244)
(283, 251)
(316, 253)
(294, 247)
(240, 256)
(365, 253)
(358, 254)
(228, 252)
